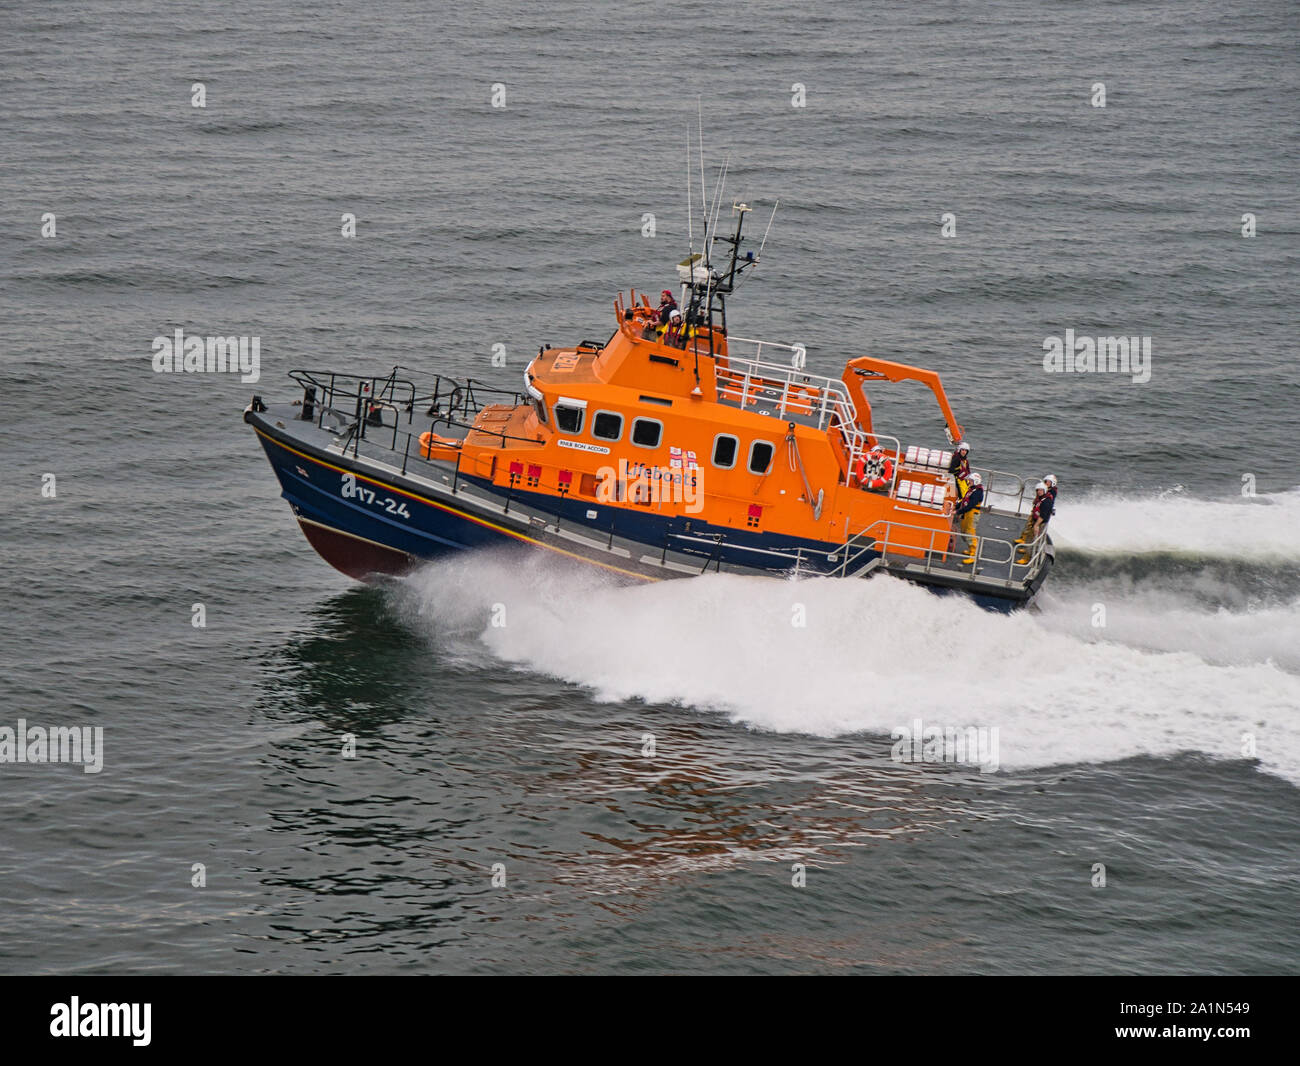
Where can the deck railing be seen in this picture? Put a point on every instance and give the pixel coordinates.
(1010, 488)
(792, 389)
(359, 406)
(876, 538)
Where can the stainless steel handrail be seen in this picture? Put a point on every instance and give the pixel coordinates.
(856, 445)
(1036, 548)
(786, 386)
(833, 397)
(991, 478)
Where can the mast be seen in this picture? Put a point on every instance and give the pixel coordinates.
(708, 288)
(709, 294)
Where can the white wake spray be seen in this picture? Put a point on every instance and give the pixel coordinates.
(833, 658)
(1265, 527)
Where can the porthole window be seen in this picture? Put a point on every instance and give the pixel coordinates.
(725, 448)
(607, 426)
(760, 456)
(647, 432)
(568, 419)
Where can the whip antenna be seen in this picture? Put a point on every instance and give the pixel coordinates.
(717, 206)
(690, 225)
(763, 243)
(699, 103)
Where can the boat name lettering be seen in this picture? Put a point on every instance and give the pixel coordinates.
(582, 446)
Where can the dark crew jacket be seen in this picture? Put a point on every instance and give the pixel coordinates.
(973, 498)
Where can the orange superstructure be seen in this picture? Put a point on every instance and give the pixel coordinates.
(674, 447)
(759, 446)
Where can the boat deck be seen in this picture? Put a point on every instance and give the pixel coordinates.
(768, 402)
(995, 563)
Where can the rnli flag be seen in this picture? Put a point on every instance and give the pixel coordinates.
(674, 457)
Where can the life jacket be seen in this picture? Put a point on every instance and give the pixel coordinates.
(972, 500)
(666, 308)
(959, 465)
(1044, 507)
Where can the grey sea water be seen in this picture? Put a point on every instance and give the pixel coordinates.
(1162, 745)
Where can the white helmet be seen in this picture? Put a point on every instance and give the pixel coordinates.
(876, 448)
(1051, 480)
(963, 447)
(674, 313)
(975, 479)
(1041, 487)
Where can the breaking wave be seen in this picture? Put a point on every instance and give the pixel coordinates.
(1263, 527)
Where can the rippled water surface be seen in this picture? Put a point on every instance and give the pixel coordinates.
(1164, 744)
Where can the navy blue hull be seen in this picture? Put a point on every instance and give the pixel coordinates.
(366, 527)
(388, 526)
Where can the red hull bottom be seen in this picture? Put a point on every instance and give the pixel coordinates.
(356, 557)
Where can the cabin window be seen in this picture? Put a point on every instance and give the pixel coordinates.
(725, 448)
(760, 456)
(540, 408)
(568, 419)
(647, 432)
(607, 426)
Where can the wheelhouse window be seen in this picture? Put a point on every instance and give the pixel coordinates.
(568, 418)
(725, 448)
(540, 408)
(647, 432)
(607, 426)
(760, 456)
